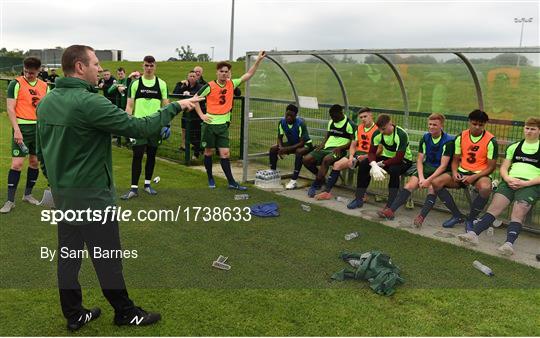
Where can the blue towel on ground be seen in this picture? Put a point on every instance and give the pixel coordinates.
(265, 209)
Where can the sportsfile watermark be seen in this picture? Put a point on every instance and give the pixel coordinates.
(120, 214)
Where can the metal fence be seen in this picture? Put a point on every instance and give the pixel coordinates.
(397, 82)
(506, 132)
(170, 148)
(265, 113)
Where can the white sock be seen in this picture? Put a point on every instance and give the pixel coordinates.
(147, 182)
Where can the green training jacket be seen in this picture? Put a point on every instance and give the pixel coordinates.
(74, 130)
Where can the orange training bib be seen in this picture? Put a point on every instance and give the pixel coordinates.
(28, 98)
(220, 99)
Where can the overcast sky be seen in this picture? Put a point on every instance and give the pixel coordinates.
(157, 27)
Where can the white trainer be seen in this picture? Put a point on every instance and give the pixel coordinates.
(291, 185)
(506, 249)
(469, 237)
(8, 206)
(30, 199)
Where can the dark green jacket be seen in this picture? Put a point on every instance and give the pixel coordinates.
(121, 100)
(74, 130)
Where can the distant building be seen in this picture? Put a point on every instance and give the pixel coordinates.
(48, 56)
(53, 56)
(109, 55)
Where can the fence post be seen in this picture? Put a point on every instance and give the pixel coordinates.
(242, 118)
(187, 151)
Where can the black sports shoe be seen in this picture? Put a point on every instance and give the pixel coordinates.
(85, 317)
(538, 257)
(137, 317)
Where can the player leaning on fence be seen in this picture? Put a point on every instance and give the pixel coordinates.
(520, 171)
(23, 96)
(215, 129)
(475, 158)
(357, 151)
(395, 159)
(435, 152)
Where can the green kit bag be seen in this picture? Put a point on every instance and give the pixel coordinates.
(375, 267)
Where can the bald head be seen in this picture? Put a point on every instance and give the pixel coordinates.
(198, 71)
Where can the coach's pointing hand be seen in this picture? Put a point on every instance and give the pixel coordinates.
(189, 104)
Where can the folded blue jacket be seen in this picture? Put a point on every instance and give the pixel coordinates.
(265, 209)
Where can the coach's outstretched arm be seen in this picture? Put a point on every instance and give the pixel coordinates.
(253, 68)
(107, 117)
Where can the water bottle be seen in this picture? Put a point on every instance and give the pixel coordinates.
(491, 234)
(239, 197)
(305, 207)
(23, 148)
(157, 179)
(485, 270)
(494, 185)
(352, 235)
(342, 199)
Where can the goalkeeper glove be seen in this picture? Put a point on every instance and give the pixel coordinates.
(165, 132)
(376, 172)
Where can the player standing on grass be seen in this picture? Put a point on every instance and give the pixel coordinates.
(145, 96)
(520, 171)
(215, 127)
(23, 96)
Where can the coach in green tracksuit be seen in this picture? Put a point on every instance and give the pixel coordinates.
(74, 144)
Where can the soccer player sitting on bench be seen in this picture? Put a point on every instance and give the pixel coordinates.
(434, 154)
(520, 171)
(475, 158)
(298, 142)
(338, 139)
(396, 159)
(357, 151)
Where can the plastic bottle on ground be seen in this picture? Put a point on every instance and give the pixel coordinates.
(484, 269)
(305, 207)
(352, 235)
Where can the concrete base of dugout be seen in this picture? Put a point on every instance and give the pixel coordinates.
(526, 247)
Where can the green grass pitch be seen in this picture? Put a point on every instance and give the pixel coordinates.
(279, 283)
